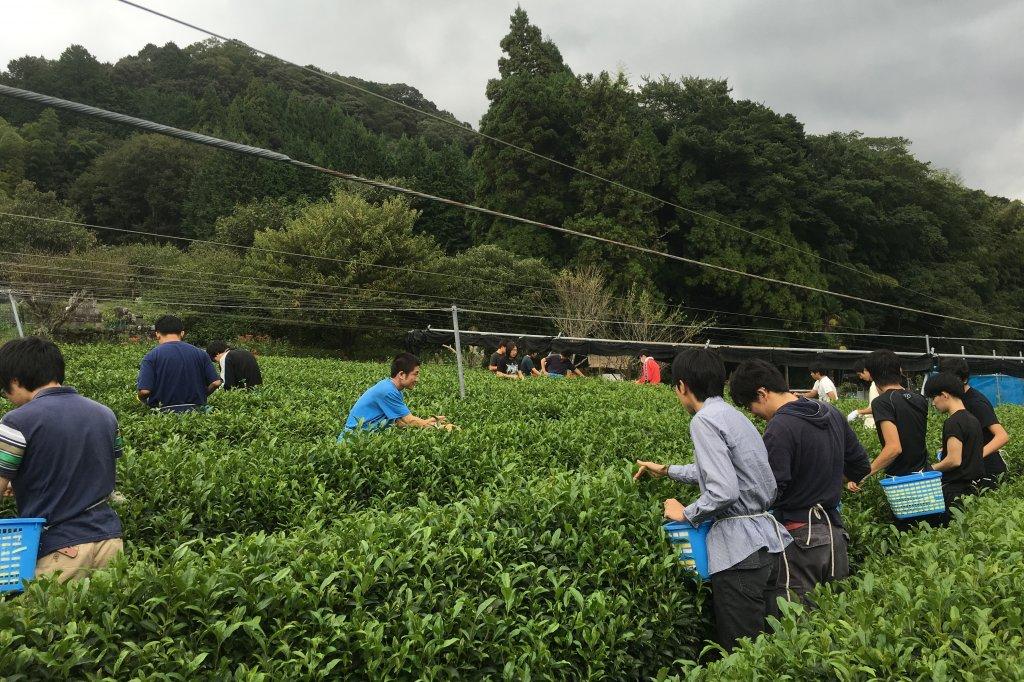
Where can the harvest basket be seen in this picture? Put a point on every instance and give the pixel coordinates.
(918, 494)
(19, 544)
(692, 543)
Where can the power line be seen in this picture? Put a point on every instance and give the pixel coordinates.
(319, 284)
(511, 145)
(198, 138)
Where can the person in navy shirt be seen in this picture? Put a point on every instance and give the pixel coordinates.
(382, 404)
(175, 376)
(58, 451)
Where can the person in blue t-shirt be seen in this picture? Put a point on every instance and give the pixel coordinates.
(383, 405)
(175, 376)
(58, 452)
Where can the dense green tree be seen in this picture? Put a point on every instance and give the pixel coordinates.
(617, 143)
(23, 234)
(141, 185)
(534, 104)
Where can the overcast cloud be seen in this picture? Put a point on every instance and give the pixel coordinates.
(947, 75)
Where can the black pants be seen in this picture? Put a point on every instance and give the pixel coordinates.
(742, 597)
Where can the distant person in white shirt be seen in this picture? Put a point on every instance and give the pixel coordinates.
(824, 390)
(865, 412)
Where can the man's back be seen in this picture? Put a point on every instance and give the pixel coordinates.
(810, 447)
(241, 370)
(177, 374)
(66, 470)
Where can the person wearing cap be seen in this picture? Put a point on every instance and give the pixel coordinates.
(238, 367)
(650, 370)
(175, 376)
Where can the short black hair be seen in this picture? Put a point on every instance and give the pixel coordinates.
(958, 367)
(502, 343)
(404, 362)
(818, 368)
(644, 352)
(858, 366)
(884, 367)
(752, 375)
(944, 382)
(215, 348)
(702, 370)
(33, 361)
(169, 324)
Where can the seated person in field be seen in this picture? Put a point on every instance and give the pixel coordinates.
(512, 363)
(497, 363)
(58, 452)
(824, 390)
(175, 376)
(238, 367)
(383, 405)
(529, 366)
(559, 366)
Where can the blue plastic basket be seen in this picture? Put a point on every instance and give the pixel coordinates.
(914, 495)
(692, 543)
(19, 544)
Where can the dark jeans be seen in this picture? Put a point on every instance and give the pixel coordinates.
(742, 597)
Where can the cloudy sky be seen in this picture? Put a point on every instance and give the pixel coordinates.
(947, 75)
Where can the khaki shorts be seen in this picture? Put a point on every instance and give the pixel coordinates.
(79, 561)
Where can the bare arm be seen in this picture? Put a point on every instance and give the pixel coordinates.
(999, 438)
(890, 451)
(213, 386)
(832, 395)
(144, 394)
(953, 457)
(412, 421)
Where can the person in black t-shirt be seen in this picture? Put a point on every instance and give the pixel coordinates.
(994, 436)
(497, 364)
(901, 420)
(961, 464)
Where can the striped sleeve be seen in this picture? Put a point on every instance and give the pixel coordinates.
(12, 448)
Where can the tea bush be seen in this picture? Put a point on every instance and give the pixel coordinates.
(515, 548)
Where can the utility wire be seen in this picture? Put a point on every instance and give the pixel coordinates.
(511, 145)
(198, 138)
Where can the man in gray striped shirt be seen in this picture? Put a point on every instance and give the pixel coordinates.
(737, 488)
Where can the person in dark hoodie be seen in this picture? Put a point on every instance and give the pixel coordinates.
(811, 448)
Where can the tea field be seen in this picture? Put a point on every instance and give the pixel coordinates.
(515, 548)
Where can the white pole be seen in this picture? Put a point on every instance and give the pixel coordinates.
(927, 345)
(14, 309)
(458, 351)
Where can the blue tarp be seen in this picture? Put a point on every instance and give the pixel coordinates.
(999, 388)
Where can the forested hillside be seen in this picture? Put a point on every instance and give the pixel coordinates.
(751, 190)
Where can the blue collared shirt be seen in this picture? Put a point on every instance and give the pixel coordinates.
(731, 468)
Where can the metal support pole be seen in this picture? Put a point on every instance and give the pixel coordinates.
(927, 345)
(458, 351)
(14, 309)
(962, 351)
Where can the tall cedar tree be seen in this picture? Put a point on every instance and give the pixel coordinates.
(534, 104)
